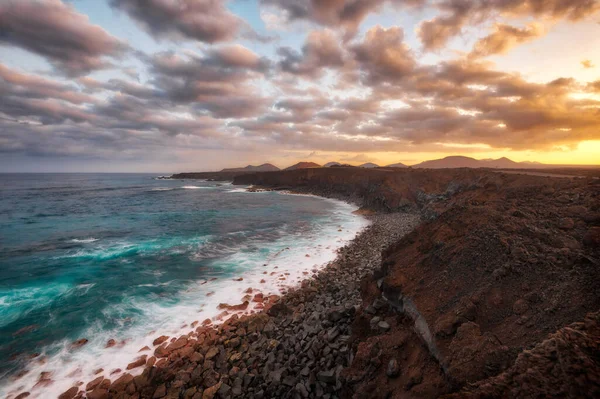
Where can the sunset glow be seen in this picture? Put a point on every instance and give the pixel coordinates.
(169, 85)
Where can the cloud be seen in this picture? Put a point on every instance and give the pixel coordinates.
(504, 38)
(436, 32)
(208, 21)
(594, 87)
(345, 14)
(321, 50)
(218, 81)
(32, 99)
(59, 33)
(383, 56)
(456, 14)
(331, 93)
(587, 64)
(32, 86)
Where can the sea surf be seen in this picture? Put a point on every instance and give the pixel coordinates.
(115, 260)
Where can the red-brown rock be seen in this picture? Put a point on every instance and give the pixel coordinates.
(94, 383)
(121, 383)
(79, 343)
(258, 298)
(139, 362)
(69, 394)
(160, 340)
(98, 394)
(242, 306)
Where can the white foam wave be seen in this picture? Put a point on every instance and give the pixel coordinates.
(162, 189)
(28, 298)
(110, 250)
(84, 240)
(238, 190)
(195, 187)
(285, 263)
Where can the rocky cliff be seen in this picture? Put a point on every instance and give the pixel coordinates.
(501, 262)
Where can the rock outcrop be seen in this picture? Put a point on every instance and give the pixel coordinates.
(501, 262)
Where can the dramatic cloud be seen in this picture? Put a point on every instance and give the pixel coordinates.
(436, 32)
(321, 50)
(32, 99)
(208, 21)
(218, 81)
(347, 14)
(59, 33)
(383, 56)
(504, 38)
(338, 90)
(32, 86)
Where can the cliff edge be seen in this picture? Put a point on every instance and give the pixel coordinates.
(500, 264)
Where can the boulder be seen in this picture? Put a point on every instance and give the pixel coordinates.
(121, 383)
(69, 394)
(94, 383)
(160, 340)
(566, 224)
(209, 393)
(98, 394)
(160, 392)
(79, 343)
(139, 362)
(393, 370)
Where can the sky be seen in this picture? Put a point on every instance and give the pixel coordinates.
(168, 86)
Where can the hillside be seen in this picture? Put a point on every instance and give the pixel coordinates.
(396, 165)
(368, 165)
(467, 162)
(266, 167)
(303, 165)
(501, 262)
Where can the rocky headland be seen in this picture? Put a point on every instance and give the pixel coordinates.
(468, 283)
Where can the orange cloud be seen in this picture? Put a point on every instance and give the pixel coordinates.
(504, 38)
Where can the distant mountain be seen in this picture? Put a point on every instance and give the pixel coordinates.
(330, 164)
(265, 167)
(368, 165)
(535, 163)
(396, 165)
(450, 162)
(503, 163)
(303, 165)
(466, 162)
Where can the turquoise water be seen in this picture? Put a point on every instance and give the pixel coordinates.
(97, 256)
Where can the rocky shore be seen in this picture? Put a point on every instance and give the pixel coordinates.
(296, 348)
(468, 283)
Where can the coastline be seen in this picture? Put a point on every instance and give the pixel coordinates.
(467, 280)
(231, 312)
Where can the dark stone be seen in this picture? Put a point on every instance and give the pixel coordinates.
(327, 377)
(393, 370)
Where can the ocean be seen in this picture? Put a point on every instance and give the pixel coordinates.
(129, 257)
